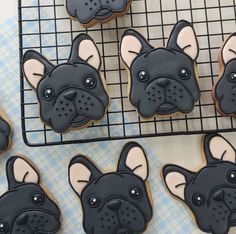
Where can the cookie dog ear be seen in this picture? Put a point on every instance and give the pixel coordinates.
(81, 172)
(133, 160)
(132, 45)
(35, 66)
(85, 49)
(217, 148)
(183, 38)
(228, 51)
(176, 179)
(20, 171)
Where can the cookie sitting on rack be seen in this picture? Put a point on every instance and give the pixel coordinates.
(116, 202)
(162, 81)
(91, 12)
(72, 94)
(210, 192)
(5, 132)
(224, 92)
(26, 206)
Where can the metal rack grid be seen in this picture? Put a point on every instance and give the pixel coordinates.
(45, 26)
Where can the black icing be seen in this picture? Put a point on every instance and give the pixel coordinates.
(115, 202)
(19, 213)
(5, 132)
(225, 89)
(211, 192)
(167, 89)
(65, 99)
(87, 10)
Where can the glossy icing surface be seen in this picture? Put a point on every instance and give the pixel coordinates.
(163, 81)
(209, 192)
(71, 94)
(115, 202)
(25, 207)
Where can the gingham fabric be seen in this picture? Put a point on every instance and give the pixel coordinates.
(170, 216)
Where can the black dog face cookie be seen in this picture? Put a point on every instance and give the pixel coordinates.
(90, 12)
(162, 81)
(5, 133)
(25, 207)
(224, 92)
(210, 193)
(72, 94)
(115, 202)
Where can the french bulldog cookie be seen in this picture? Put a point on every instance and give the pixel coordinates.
(91, 12)
(5, 132)
(162, 81)
(72, 94)
(210, 193)
(115, 202)
(26, 207)
(224, 92)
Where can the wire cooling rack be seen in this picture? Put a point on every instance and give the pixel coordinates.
(45, 26)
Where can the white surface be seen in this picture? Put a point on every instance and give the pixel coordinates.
(183, 150)
(8, 9)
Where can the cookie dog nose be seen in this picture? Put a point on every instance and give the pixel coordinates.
(22, 219)
(70, 95)
(114, 205)
(218, 195)
(162, 82)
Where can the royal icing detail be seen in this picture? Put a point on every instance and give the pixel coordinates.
(72, 94)
(115, 202)
(209, 192)
(5, 134)
(25, 207)
(163, 81)
(224, 92)
(90, 12)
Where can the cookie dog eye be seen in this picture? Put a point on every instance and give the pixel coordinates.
(48, 93)
(135, 193)
(89, 82)
(93, 202)
(232, 176)
(143, 76)
(198, 200)
(184, 73)
(232, 77)
(38, 199)
(3, 227)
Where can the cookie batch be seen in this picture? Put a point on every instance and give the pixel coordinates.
(73, 95)
(5, 132)
(91, 12)
(209, 192)
(162, 81)
(224, 92)
(114, 202)
(26, 207)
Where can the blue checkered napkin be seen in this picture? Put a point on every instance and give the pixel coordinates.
(170, 216)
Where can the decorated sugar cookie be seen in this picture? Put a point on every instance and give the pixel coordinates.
(5, 132)
(224, 92)
(71, 94)
(210, 193)
(26, 207)
(91, 12)
(115, 202)
(162, 81)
